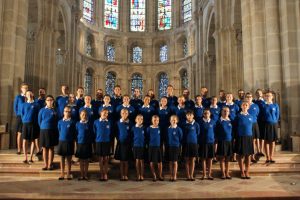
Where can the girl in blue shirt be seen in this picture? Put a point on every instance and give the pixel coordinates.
(84, 144)
(89, 108)
(224, 138)
(206, 143)
(74, 108)
(67, 133)
(155, 156)
(147, 111)
(47, 120)
(198, 109)
(174, 142)
(124, 127)
(244, 140)
(271, 116)
(29, 115)
(102, 130)
(138, 134)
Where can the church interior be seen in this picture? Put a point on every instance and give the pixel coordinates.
(220, 45)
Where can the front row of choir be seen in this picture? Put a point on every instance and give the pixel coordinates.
(189, 141)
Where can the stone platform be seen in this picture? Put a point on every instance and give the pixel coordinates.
(269, 181)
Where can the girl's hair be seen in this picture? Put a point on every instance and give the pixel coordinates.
(83, 111)
(104, 109)
(68, 107)
(139, 115)
(50, 96)
(124, 109)
(155, 116)
(189, 112)
(106, 95)
(225, 107)
(172, 116)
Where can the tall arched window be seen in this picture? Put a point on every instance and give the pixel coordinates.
(186, 8)
(110, 82)
(88, 82)
(88, 10)
(137, 15)
(163, 84)
(164, 14)
(111, 14)
(163, 53)
(137, 54)
(185, 48)
(110, 52)
(184, 79)
(136, 82)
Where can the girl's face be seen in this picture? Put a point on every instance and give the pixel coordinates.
(190, 117)
(104, 114)
(67, 113)
(214, 101)
(245, 107)
(259, 93)
(83, 116)
(269, 97)
(49, 102)
(29, 95)
(163, 102)
(173, 120)
(155, 121)
(150, 93)
(64, 90)
(126, 100)
(124, 114)
(117, 91)
(199, 100)
(229, 98)
(139, 120)
(87, 100)
(106, 100)
(206, 114)
(24, 89)
(225, 113)
(181, 100)
(80, 92)
(146, 101)
(249, 98)
(170, 90)
(71, 98)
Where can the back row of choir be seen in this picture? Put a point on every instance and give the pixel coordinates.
(148, 129)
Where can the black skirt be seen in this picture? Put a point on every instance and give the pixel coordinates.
(65, 148)
(155, 154)
(19, 124)
(173, 154)
(244, 146)
(124, 151)
(224, 148)
(48, 138)
(206, 151)
(138, 153)
(29, 132)
(255, 131)
(190, 150)
(261, 126)
(84, 151)
(271, 132)
(102, 149)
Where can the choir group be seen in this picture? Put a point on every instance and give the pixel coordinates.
(171, 129)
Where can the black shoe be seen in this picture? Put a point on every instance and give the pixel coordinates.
(253, 160)
(210, 178)
(268, 161)
(248, 177)
(30, 161)
(223, 177)
(44, 168)
(271, 161)
(25, 162)
(161, 179)
(228, 177)
(80, 178)
(19, 153)
(61, 178)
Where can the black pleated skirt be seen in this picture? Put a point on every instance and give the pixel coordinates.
(65, 148)
(48, 138)
(244, 145)
(224, 148)
(206, 151)
(255, 131)
(155, 154)
(270, 132)
(84, 151)
(190, 150)
(102, 149)
(173, 154)
(29, 132)
(138, 153)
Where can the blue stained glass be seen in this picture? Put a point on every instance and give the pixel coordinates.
(163, 53)
(88, 10)
(110, 83)
(137, 55)
(185, 48)
(111, 14)
(163, 84)
(184, 80)
(137, 82)
(164, 14)
(110, 52)
(88, 82)
(137, 15)
(186, 10)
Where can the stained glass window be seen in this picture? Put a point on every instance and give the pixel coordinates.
(88, 82)
(185, 48)
(137, 54)
(136, 82)
(88, 10)
(164, 14)
(111, 14)
(186, 10)
(184, 80)
(163, 84)
(110, 82)
(110, 52)
(137, 15)
(163, 53)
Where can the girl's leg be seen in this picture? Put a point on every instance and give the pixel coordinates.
(126, 170)
(262, 145)
(62, 166)
(105, 160)
(31, 150)
(272, 150)
(142, 169)
(81, 162)
(50, 157)
(19, 142)
(122, 170)
(37, 147)
(86, 168)
(45, 157)
(152, 170)
(247, 165)
(101, 167)
(227, 167)
(222, 166)
(175, 167)
(258, 146)
(203, 168)
(241, 164)
(187, 167)
(137, 167)
(69, 165)
(25, 146)
(209, 164)
(267, 150)
(160, 166)
(192, 167)
(171, 170)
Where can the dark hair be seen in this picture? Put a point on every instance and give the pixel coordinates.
(189, 112)
(49, 96)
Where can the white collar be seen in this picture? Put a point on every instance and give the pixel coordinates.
(229, 104)
(78, 98)
(192, 123)
(206, 120)
(154, 127)
(106, 105)
(222, 101)
(23, 95)
(30, 101)
(261, 98)
(146, 106)
(103, 120)
(48, 107)
(64, 95)
(181, 107)
(66, 120)
(87, 106)
(269, 103)
(84, 122)
(223, 119)
(126, 106)
(196, 106)
(173, 126)
(121, 120)
(72, 105)
(242, 113)
(139, 126)
(214, 106)
(165, 108)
